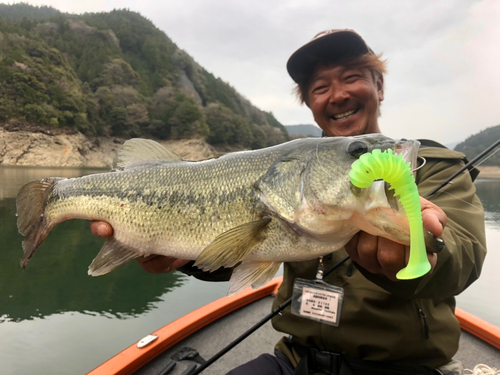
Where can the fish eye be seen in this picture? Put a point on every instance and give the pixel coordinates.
(357, 148)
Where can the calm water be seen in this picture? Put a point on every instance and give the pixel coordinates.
(54, 319)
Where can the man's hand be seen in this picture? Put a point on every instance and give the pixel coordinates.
(101, 229)
(152, 264)
(160, 264)
(382, 256)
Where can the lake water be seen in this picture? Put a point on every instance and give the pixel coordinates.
(54, 319)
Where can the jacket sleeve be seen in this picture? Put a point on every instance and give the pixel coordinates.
(459, 264)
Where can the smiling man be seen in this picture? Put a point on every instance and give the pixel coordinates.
(386, 326)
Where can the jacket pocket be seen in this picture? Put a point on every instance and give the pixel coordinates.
(423, 322)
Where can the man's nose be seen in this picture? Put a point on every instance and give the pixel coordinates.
(338, 94)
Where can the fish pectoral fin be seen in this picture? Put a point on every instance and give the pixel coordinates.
(137, 151)
(112, 255)
(256, 274)
(232, 246)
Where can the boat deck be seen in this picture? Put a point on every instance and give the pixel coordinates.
(209, 340)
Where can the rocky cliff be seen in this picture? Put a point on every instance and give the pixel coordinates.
(59, 149)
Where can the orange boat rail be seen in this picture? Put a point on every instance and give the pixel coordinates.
(478, 327)
(133, 358)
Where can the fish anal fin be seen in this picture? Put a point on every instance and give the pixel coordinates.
(112, 255)
(137, 151)
(256, 274)
(232, 246)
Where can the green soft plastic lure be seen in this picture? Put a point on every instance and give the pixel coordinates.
(393, 169)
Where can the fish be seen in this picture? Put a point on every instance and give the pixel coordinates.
(252, 210)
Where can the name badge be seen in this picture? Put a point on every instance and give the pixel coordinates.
(317, 300)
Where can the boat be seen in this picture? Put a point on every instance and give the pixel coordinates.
(202, 333)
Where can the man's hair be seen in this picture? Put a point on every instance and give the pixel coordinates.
(372, 62)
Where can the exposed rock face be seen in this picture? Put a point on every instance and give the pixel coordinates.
(76, 150)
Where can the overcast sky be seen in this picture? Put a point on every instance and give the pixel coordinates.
(443, 80)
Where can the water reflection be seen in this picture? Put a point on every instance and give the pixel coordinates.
(489, 193)
(56, 279)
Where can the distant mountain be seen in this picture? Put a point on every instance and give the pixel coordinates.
(307, 130)
(117, 74)
(452, 146)
(477, 143)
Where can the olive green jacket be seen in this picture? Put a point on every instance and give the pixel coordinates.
(406, 322)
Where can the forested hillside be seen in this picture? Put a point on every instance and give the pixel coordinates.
(477, 143)
(117, 74)
(307, 130)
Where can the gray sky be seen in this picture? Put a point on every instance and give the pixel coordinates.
(443, 79)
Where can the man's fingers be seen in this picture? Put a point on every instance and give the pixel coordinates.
(155, 263)
(367, 252)
(101, 229)
(160, 264)
(352, 248)
(392, 257)
(434, 218)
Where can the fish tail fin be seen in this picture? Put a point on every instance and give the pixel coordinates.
(31, 221)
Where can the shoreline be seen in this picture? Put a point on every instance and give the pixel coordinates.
(56, 148)
(489, 172)
(59, 149)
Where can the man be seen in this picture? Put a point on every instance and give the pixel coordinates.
(386, 325)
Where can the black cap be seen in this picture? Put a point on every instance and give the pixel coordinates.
(329, 46)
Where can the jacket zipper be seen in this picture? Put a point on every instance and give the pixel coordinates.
(423, 319)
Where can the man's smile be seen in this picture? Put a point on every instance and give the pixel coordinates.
(344, 115)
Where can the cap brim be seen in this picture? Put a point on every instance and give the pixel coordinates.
(331, 48)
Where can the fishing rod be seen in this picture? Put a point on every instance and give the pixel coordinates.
(470, 165)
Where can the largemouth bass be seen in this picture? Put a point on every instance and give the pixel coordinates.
(255, 209)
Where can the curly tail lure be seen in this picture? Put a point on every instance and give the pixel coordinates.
(393, 169)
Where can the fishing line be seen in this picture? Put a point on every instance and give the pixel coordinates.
(456, 197)
(470, 165)
(482, 161)
(448, 182)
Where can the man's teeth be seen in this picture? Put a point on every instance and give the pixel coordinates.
(344, 115)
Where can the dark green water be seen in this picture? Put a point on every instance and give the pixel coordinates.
(54, 319)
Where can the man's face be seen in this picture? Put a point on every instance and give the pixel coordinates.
(345, 101)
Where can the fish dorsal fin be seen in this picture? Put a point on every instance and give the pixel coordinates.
(112, 255)
(138, 151)
(256, 274)
(232, 246)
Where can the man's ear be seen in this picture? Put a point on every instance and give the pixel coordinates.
(380, 87)
(306, 102)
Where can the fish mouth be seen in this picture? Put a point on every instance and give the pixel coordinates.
(344, 115)
(408, 149)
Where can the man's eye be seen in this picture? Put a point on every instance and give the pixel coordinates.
(352, 77)
(318, 89)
